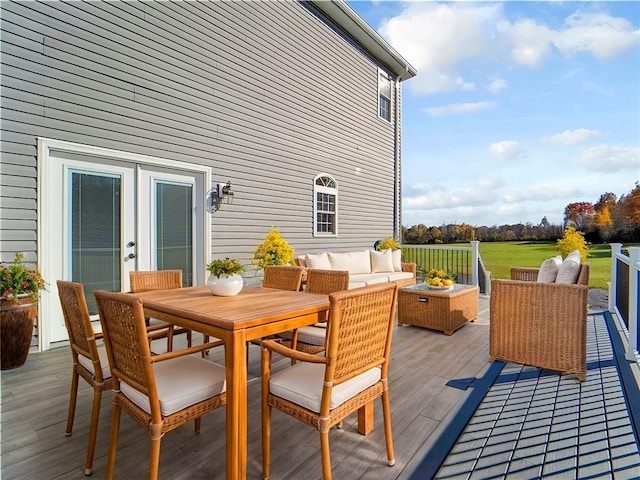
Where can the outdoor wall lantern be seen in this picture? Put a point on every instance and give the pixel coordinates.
(218, 195)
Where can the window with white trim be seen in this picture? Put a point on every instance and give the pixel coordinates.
(325, 206)
(385, 95)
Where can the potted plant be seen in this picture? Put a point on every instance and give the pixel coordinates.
(388, 243)
(274, 250)
(19, 290)
(224, 279)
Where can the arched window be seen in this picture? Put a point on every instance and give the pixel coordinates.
(325, 206)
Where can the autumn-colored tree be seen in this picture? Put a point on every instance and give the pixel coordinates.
(630, 207)
(579, 215)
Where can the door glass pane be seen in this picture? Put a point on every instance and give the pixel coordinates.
(174, 229)
(95, 233)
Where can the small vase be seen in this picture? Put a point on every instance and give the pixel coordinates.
(226, 285)
(16, 329)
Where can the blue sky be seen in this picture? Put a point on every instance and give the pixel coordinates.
(518, 108)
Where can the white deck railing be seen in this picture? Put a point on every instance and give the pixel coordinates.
(623, 294)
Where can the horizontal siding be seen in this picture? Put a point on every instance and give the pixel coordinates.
(264, 93)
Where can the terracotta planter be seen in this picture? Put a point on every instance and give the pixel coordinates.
(16, 329)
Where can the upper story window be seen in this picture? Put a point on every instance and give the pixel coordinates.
(325, 194)
(385, 95)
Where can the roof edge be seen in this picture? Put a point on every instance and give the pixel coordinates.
(344, 16)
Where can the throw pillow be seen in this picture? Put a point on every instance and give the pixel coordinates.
(549, 270)
(318, 260)
(354, 262)
(569, 270)
(381, 261)
(396, 255)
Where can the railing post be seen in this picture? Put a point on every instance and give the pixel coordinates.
(616, 248)
(475, 259)
(634, 268)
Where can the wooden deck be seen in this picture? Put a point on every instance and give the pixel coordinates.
(35, 399)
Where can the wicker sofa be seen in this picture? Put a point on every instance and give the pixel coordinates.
(540, 324)
(365, 267)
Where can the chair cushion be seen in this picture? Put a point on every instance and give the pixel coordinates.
(302, 384)
(569, 270)
(104, 362)
(396, 256)
(354, 262)
(318, 260)
(381, 261)
(181, 382)
(312, 335)
(549, 269)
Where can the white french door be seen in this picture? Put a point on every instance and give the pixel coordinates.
(109, 216)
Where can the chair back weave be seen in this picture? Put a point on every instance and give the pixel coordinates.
(146, 281)
(125, 336)
(283, 277)
(77, 320)
(359, 331)
(326, 281)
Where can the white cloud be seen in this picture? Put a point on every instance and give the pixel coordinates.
(569, 137)
(497, 85)
(599, 34)
(457, 108)
(610, 158)
(505, 150)
(442, 39)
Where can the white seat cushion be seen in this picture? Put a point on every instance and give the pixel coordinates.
(302, 384)
(104, 362)
(569, 270)
(181, 382)
(549, 270)
(370, 278)
(312, 335)
(399, 276)
(381, 261)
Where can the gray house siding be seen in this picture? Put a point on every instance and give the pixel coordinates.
(265, 93)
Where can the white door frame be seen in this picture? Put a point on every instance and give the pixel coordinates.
(49, 304)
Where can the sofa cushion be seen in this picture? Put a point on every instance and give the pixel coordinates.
(396, 255)
(569, 270)
(302, 261)
(549, 269)
(318, 260)
(381, 261)
(399, 276)
(370, 278)
(354, 262)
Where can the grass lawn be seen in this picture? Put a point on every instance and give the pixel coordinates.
(499, 257)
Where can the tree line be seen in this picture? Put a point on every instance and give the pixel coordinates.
(610, 219)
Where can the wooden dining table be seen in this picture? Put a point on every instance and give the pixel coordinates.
(254, 313)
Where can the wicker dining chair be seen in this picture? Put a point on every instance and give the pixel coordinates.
(322, 390)
(311, 339)
(89, 360)
(283, 277)
(147, 281)
(160, 392)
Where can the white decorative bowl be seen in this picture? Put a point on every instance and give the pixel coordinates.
(226, 285)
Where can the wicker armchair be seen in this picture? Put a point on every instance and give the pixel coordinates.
(160, 392)
(322, 390)
(312, 339)
(89, 360)
(146, 281)
(540, 324)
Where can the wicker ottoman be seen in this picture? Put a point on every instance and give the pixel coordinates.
(439, 310)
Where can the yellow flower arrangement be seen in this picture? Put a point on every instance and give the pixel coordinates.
(388, 243)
